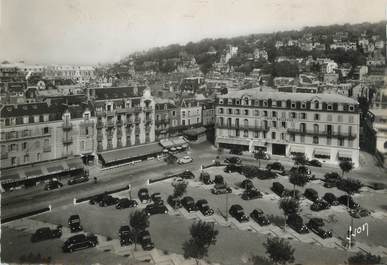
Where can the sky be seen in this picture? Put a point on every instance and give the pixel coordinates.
(103, 31)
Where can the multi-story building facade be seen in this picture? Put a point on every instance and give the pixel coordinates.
(190, 113)
(37, 132)
(208, 113)
(166, 118)
(79, 73)
(380, 126)
(322, 126)
(125, 116)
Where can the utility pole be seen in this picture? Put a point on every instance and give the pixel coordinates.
(226, 206)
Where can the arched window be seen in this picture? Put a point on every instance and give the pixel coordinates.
(302, 127)
(246, 122)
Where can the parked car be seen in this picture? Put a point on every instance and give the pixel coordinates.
(297, 224)
(154, 208)
(189, 204)
(316, 225)
(262, 155)
(204, 208)
(230, 168)
(330, 183)
(320, 205)
(126, 203)
(247, 184)
(331, 179)
(125, 235)
(143, 195)
(187, 175)
(314, 163)
(291, 193)
(275, 166)
(251, 194)
(331, 199)
(219, 179)
(236, 152)
(145, 240)
(258, 216)
(311, 194)
(108, 200)
(359, 212)
(157, 199)
(174, 202)
(77, 179)
(80, 241)
(233, 160)
(75, 223)
(278, 188)
(45, 233)
(205, 178)
(237, 212)
(184, 160)
(221, 189)
(97, 198)
(53, 184)
(178, 180)
(348, 201)
(266, 174)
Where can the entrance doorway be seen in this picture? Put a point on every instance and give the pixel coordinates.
(279, 149)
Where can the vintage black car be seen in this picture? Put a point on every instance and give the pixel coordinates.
(187, 175)
(219, 179)
(251, 194)
(258, 216)
(155, 208)
(108, 200)
(247, 184)
(205, 178)
(126, 203)
(275, 166)
(297, 224)
(97, 198)
(278, 188)
(80, 241)
(233, 160)
(78, 179)
(45, 233)
(156, 198)
(143, 195)
(331, 199)
(221, 189)
(230, 168)
(311, 194)
(53, 184)
(145, 240)
(316, 225)
(314, 163)
(189, 204)
(204, 208)
(319, 205)
(237, 212)
(174, 202)
(125, 235)
(75, 223)
(348, 201)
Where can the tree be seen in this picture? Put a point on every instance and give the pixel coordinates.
(260, 154)
(346, 167)
(349, 185)
(279, 250)
(139, 221)
(289, 206)
(299, 160)
(298, 179)
(203, 234)
(179, 189)
(364, 259)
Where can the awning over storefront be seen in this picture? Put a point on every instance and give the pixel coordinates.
(345, 155)
(322, 152)
(130, 153)
(42, 169)
(236, 141)
(297, 149)
(195, 131)
(173, 142)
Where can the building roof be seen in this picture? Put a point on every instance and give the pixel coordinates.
(24, 109)
(265, 95)
(118, 92)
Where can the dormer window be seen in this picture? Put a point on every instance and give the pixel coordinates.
(293, 105)
(221, 101)
(265, 103)
(351, 107)
(303, 105)
(238, 102)
(316, 105)
(329, 107)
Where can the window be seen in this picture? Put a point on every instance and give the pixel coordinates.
(341, 142)
(274, 124)
(292, 137)
(302, 127)
(24, 145)
(329, 107)
(316, 105)
(351, 108)
(197, 120)
(82, 145)
(256, 134)
(293, 106)
(245, 133)
(173, 113)
(246, 112)
(302, 139)
(13, 161)
(293, 115)
(183, 114)
(229, 111)
(45, 130)
(13, 147)
(315, 139)
(87, 131)
(283, 124)
(283, 115)
(87, 116)
(246, 122)
(256, 112)
(31, 119)
(316, 116)
(385, 145)
(38, 157)
(274, 114)
(329, 117)
(265, 113)
(237, 133)
(339, 118)
(221, 110)
(303, 106)
(26, 158)
(282, 136)
(303, 115)
(329, 140)
(279, 104)
(183, 122)
(350, 119)
(41, 119)
(315, 128)
(273, 135)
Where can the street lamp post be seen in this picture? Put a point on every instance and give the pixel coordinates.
(226, 206)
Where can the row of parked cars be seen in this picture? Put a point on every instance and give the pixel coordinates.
(56, 184)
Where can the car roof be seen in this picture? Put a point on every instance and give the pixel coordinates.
(187, 198)
(74, 216)
(237, 206)
(202, 201)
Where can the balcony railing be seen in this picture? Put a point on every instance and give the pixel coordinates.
(67, 140)
(148, 109)
(242, 127)
(110, 113)
(162, 121)
(22, 135)
(67, 126)
(339, 135)
(110, 124)
(137, 109)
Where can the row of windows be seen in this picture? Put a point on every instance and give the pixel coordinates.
(190, 121)
(189, 113)
(316, 105)
(26, 159)
(293, 115)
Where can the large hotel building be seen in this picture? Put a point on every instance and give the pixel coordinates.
(321, 126)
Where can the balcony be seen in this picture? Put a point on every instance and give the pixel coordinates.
(243, 127)
(67, 126)
(162, 121)
(22, 135)
(110, 113)
(148, 109)
(137, 109)
(339, 135)
(67, 140)
(119, 123)
(110, 124)
(87, 123)
(99, 113)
